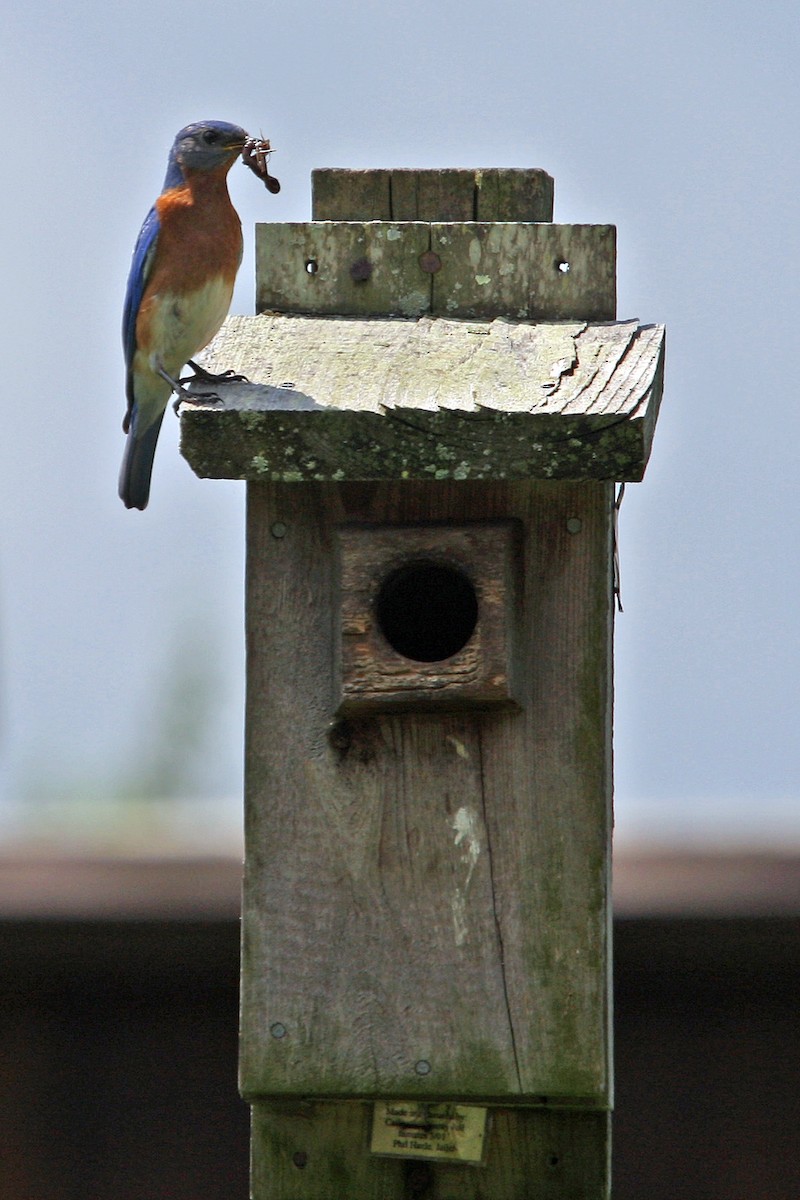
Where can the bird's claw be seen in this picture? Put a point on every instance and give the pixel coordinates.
(201, 375)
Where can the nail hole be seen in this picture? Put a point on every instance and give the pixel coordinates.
(300, 1159)
(427, 611)
(312, 266)
(553, 1160)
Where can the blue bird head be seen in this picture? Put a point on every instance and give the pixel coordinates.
(203, 146)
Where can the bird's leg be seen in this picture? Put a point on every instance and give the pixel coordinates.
(201, 375)
(181, 394)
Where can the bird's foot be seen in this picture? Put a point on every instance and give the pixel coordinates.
(201, 375)
(184, 397)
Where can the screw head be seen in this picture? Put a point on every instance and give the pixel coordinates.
(278, 529)
(423, 1067)
(361, 270)
(574, 525)
(430, 262)
(278, 1030)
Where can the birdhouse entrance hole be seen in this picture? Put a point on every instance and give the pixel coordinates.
(426, 610)
(427, 615)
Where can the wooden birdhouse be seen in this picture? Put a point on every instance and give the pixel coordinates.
(440, 400)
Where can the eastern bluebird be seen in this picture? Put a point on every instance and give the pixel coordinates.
(179, 288)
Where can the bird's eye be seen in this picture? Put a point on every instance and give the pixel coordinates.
(210, 136)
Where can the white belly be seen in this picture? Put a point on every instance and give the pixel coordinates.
(183, 325)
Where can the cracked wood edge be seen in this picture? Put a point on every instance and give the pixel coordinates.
(338, 398)
(434, 363)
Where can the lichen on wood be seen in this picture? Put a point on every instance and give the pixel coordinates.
(525, 270)
(343, 398)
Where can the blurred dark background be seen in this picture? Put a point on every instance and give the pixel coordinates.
(119, 998)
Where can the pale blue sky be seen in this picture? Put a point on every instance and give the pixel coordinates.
(675, 121)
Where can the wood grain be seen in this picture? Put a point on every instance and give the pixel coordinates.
(435, 889)
(490, 194)
(375, 674)
(319, 1151)
(523, 271)
(527, 271)
(320, 268)
(337, 398)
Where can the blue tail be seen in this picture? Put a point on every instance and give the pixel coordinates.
(137, 463)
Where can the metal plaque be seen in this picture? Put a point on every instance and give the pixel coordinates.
(418, 1129)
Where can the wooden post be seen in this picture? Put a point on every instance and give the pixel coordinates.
(439, 404)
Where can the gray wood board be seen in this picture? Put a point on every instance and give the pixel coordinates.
(428, 889)
(531, 272)
(406, 194)
(526, 270)
(320, 1151)
(435, 398)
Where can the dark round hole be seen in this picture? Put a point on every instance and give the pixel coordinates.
(427, 611)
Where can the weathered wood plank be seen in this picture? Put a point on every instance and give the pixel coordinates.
(506, 194)
(534, 272)
(527, 271)
(412, 885)
(490, 194)
(430, 364)
(318, 1151)
(434, 195)
(342, 267)
(347, 195)
(436, 398)
(274, 445)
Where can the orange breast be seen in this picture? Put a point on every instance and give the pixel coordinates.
(200, 235)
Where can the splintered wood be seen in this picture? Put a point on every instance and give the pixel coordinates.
(435, 398)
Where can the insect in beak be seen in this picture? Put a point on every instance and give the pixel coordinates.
(255, 155)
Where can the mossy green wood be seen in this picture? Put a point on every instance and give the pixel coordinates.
(344, 398)
(528, 272)
(428, 889)
(535, 272)
(318, 268)
(319, 1151)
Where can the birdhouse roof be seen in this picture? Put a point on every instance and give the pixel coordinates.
(382, 398)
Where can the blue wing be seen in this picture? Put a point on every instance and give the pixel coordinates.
(143, 253)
